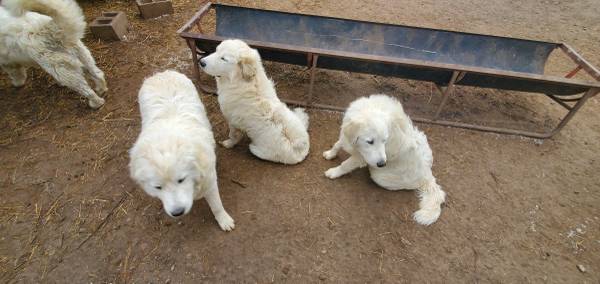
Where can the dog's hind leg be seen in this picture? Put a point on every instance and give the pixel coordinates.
(66, 69)
(235, 135)
(432, 196)
(259, 152)
(89, 66)
(333, 152)
(301, 114)
(216, 206)
(17, 74)
(345, 167)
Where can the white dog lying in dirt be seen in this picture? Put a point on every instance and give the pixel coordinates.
(250, 105)
(48, 33)
(174, 156)
(377, 133)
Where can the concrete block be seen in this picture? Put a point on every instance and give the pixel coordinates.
(110, 26)
(154, 8)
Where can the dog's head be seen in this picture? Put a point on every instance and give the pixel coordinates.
(368, 135)
(167, 171)
(232, 59)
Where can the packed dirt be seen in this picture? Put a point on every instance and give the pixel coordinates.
(518, 210)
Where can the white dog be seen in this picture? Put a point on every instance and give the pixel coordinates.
(48, 33)
(250, 105)
(377, 133)
(174, 157)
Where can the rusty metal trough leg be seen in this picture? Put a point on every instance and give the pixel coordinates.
(590, 93)
(574, 71)
(447, 91)
(196, 69)
(313, 62)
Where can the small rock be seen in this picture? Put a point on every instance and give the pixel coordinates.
(324, 251)
(286, 269)
(172, 267)
(405, 241)
(581, 268)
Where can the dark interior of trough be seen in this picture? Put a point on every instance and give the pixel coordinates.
(385, 40)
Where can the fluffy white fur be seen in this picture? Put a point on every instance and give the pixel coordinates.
(250, 105)
(377, 133)
(48, 33)
(174, 158)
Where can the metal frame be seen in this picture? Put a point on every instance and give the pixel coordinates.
(458, 72)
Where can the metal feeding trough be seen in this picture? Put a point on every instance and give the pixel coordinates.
(445, 58)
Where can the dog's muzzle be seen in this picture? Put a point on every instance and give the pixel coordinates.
(177, 212)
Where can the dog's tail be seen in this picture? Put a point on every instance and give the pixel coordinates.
(301, 114)
(65, 13)
(432, 196)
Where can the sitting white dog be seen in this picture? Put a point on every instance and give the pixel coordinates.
(48, 33)
(376, 132)
(174, 156)
(250, 105)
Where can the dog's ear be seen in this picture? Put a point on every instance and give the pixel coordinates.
(248, 62)
(203, 164)
(138, 163)
(351, 129)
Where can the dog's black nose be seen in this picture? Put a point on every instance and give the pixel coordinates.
(381, 164)
(177, 212)
(202, 63)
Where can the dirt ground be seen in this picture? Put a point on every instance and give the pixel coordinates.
(518, 210)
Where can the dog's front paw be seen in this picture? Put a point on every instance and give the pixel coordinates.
(225, 221)
(101, 87)
(427, 216)
(333, 173)
(18, 83)
(228, 143)
(96, 103)
(328, 155)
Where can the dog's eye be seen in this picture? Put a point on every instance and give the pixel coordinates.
(158, 187)
(223, 58)
(180, 180)
(370, 142)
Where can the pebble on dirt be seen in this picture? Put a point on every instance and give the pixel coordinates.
(581, 268)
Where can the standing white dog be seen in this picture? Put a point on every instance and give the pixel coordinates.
(250, 105)
(174, 157)
(377, 133)
(48, 33)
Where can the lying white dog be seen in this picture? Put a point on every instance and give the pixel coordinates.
(48, 33)
(250, 105)
(174, 156)
(377, 133)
